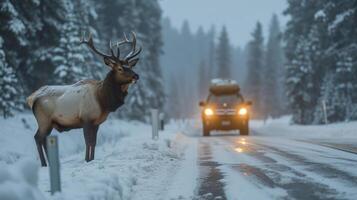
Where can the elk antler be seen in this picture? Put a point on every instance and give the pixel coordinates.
(132, 53)
(90, 44)
(116, 58)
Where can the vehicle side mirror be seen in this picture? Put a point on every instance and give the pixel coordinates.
(202, 103)
(249, 103)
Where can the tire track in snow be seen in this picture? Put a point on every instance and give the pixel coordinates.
(326, 170)
(296, 183)
(211, 185)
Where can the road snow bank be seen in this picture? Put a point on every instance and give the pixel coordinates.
(283, 127)
(19, 182)
(128, 163)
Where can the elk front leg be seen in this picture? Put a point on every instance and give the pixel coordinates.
(90, 137)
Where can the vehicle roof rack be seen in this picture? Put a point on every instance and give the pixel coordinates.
(224, 87)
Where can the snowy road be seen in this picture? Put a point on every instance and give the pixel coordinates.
(262, 167)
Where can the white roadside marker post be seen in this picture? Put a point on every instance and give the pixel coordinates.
(324, 110)
(155, 123)
(162, 123)
(53, 162)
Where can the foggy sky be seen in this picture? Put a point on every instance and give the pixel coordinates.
(239, 16)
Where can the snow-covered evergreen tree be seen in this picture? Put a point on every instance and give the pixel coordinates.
(345, 84)
(272, 72)
(15, 31)
(68, 56)
(328, 29)
(302, 82)
(175, 111)
(148, 93)
(87, 15)
(340, 19)
(253, 82)
(307, 62)
(72, 61)
(212, 53)
(223, 55)
(203, 80)
(10, 96)
(41, 44)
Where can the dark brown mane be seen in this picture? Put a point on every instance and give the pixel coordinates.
(110, 93)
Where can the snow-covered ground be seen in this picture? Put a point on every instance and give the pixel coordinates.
(278, 160)
(283, 126)
(128, 163)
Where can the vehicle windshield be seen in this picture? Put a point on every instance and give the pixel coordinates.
(229, 99)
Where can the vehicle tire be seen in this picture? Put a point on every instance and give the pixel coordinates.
(244, 130)
(206, 131)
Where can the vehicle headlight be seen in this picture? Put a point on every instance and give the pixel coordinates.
(208, 111)
(242, 111)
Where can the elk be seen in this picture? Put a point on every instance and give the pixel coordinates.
(87, 103)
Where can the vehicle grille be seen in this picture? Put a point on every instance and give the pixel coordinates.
(226, 112)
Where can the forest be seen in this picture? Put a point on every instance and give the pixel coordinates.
(301, 69)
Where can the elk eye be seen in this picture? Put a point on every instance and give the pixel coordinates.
(120, 69)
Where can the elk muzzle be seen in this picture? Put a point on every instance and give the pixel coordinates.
(135, 78)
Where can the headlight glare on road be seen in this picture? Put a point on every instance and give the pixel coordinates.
(238, 149)
(208, 111)
(243, 111)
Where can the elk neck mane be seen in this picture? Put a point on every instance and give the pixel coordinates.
(111, 94)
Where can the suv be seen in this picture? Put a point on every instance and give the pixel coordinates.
(225, 108)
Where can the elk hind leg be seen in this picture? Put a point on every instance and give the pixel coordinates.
(40, 138)
(39, 143)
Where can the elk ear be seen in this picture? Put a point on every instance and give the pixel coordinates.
(109, 62)
(133, 62)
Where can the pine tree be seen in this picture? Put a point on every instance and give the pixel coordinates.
(307, 61)
(345, 85)
(148, 92)
(237, 67)
(203, 80)
(223, 55)
(10, 96)
(326, 69)
(15, 31)
(253, 83)
(200, 43)
(299, 83)
(212, 53)
(183, 53)
(87, 16)
(68, 56)
(175, 110)
(340, 19)
(26, 53)
(272, 72)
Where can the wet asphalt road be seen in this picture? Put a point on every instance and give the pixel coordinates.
(237, 167)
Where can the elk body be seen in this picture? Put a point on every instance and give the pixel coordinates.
(85, 104)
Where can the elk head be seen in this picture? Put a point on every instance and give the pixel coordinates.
(121, 67)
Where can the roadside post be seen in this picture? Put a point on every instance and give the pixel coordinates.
(162, 123)
(53, 161)
(324, 110)
(155, 123)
